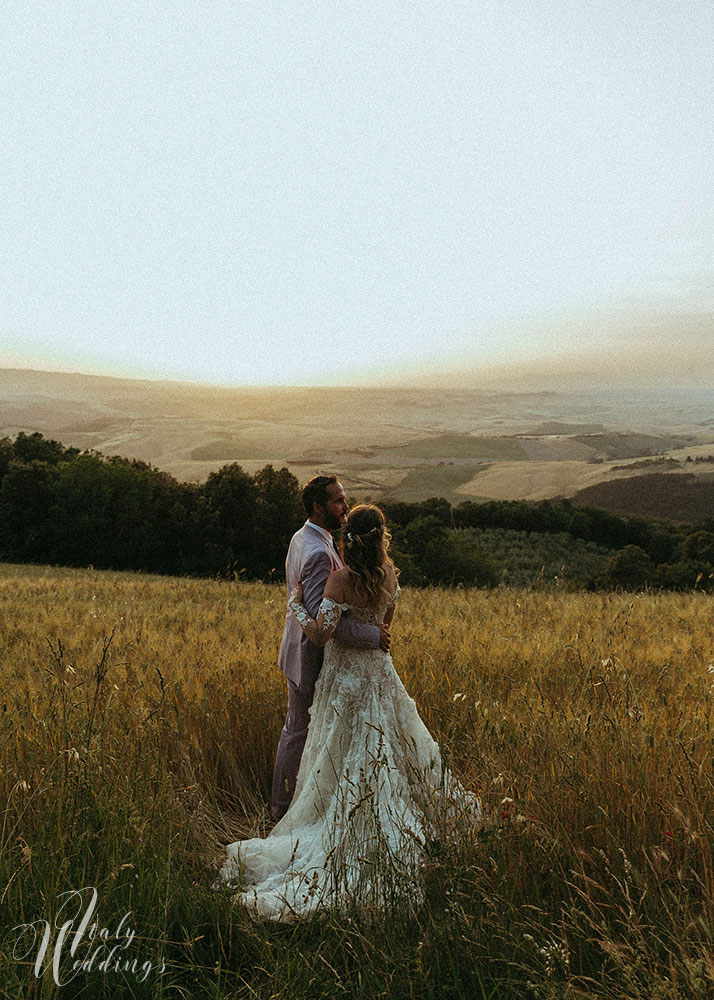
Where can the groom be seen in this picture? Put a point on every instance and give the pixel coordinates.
(312, 556)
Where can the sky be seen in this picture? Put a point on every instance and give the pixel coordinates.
(265, 192)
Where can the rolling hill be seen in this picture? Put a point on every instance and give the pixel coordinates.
(402, 442)
(684, 497)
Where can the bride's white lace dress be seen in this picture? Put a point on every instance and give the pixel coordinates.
(370, 784)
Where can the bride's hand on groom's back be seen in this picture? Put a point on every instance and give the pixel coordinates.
(385, 638)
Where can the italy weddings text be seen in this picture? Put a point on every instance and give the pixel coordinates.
(75, 942)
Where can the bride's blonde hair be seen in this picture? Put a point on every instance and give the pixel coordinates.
(365, 541)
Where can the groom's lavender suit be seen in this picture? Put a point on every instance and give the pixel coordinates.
(311, 558)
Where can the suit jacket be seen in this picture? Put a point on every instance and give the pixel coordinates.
(311, 558)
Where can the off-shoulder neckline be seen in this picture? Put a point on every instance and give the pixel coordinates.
(359, 607)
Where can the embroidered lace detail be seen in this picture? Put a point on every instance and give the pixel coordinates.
(301, 614)
(331, 612)
(328, 615)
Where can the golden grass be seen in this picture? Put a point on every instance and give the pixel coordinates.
(584, 722)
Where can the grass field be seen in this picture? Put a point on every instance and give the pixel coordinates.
(139, 721)
(464, 446)
(629, 445)
(228, 449)
(428, 481)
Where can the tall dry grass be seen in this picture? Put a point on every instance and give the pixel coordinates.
(139, 721)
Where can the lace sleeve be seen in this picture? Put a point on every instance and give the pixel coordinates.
(392, 603)
(318, 630)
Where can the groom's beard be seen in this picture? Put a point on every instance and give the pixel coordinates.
(332, 523)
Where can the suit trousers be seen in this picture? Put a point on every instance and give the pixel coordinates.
(290, 748)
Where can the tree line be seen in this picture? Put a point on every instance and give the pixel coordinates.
(59, 505)
(68, 507)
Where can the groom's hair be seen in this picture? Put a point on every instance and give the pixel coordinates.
(316, 491)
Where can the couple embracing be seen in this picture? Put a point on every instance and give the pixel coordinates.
(358, 778)
(312, 561)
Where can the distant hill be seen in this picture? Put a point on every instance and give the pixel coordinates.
(402, 442)
(619, 446)
(557, 427)
(683, 497)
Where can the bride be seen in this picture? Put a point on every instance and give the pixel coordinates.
(371, 788)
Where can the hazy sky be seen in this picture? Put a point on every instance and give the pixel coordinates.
(282, 192)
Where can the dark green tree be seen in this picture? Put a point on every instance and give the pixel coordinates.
(35, 448)
(231, 496)
(99, 512)
(445, 557)
(699, 548)
(26, 497)
(7, 453)
(682, 576)
(452, 560)
(629, 569)
(580, 525)
(279, 513)
(421, 532)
